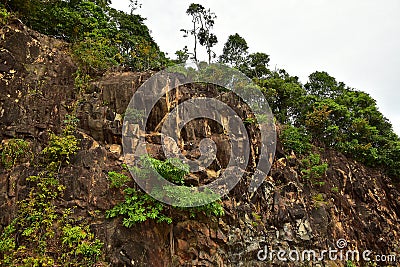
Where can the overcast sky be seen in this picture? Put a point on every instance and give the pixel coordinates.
(355, 41)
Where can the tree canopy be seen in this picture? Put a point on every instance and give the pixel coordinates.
(101, 35)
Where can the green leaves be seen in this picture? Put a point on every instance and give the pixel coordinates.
(97, 52)
(172, 169)
(296, 140)
(235, 51)
(4, 15)
(60, 148)
(313, 169)
(139, 207)
(102, 37)
(118, 179)
(12, 151)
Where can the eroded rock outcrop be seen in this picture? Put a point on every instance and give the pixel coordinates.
(36, 92)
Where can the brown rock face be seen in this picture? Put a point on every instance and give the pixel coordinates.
(37, 90)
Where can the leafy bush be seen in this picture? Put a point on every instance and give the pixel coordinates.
(4, 16)
(117, 179)
(98, 53)
(313, 169)
(172, 169)
(70, 124)
(102, 36)
(139, 207)
(319, 200)
(363, 152)
(42, 234)
(46, 237)
(185, 196)
(7, 243)
(80, 245)
(296, 140)
(60, 148)
(133, 115)
(12, 151)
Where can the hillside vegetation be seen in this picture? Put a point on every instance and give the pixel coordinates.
(319, 119)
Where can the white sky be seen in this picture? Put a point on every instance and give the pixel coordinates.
(355, 41)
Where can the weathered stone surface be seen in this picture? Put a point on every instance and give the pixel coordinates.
(37, 90)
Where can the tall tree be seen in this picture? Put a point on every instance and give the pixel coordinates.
(203, 21)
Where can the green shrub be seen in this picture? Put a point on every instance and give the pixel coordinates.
(249, 120)
(296, 140)
(313, 169)
(4, 16)
(80, 245)
(171, 169)
(7, 243)
(365, 153)
(70, 124)
(133, 115)
(97, 53)
(42, 234)
(47, 235)
(319, 200)
(139, 207)
(117, 179)
(61, 148)
(350, 264)
(12, 151)
(183, 196)
(335, 189)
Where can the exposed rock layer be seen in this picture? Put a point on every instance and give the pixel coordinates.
(37, 90)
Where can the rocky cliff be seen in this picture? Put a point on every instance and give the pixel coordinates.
(37, 90)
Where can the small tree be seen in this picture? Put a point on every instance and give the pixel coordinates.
(182, 55)
(258, 65)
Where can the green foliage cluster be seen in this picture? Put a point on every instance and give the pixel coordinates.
(97, 52)
(102, 36)
(296, 139)
(328, 113)
(117, 179)
(41, 236)
(60, 148)
(13, 151)
(349, 121)
(139, 207)
(171, 169)
(313, 168)
(4, 15)
(319, 200)
(324, 110)
(350, 264)
(41, 233)
(134, 115)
